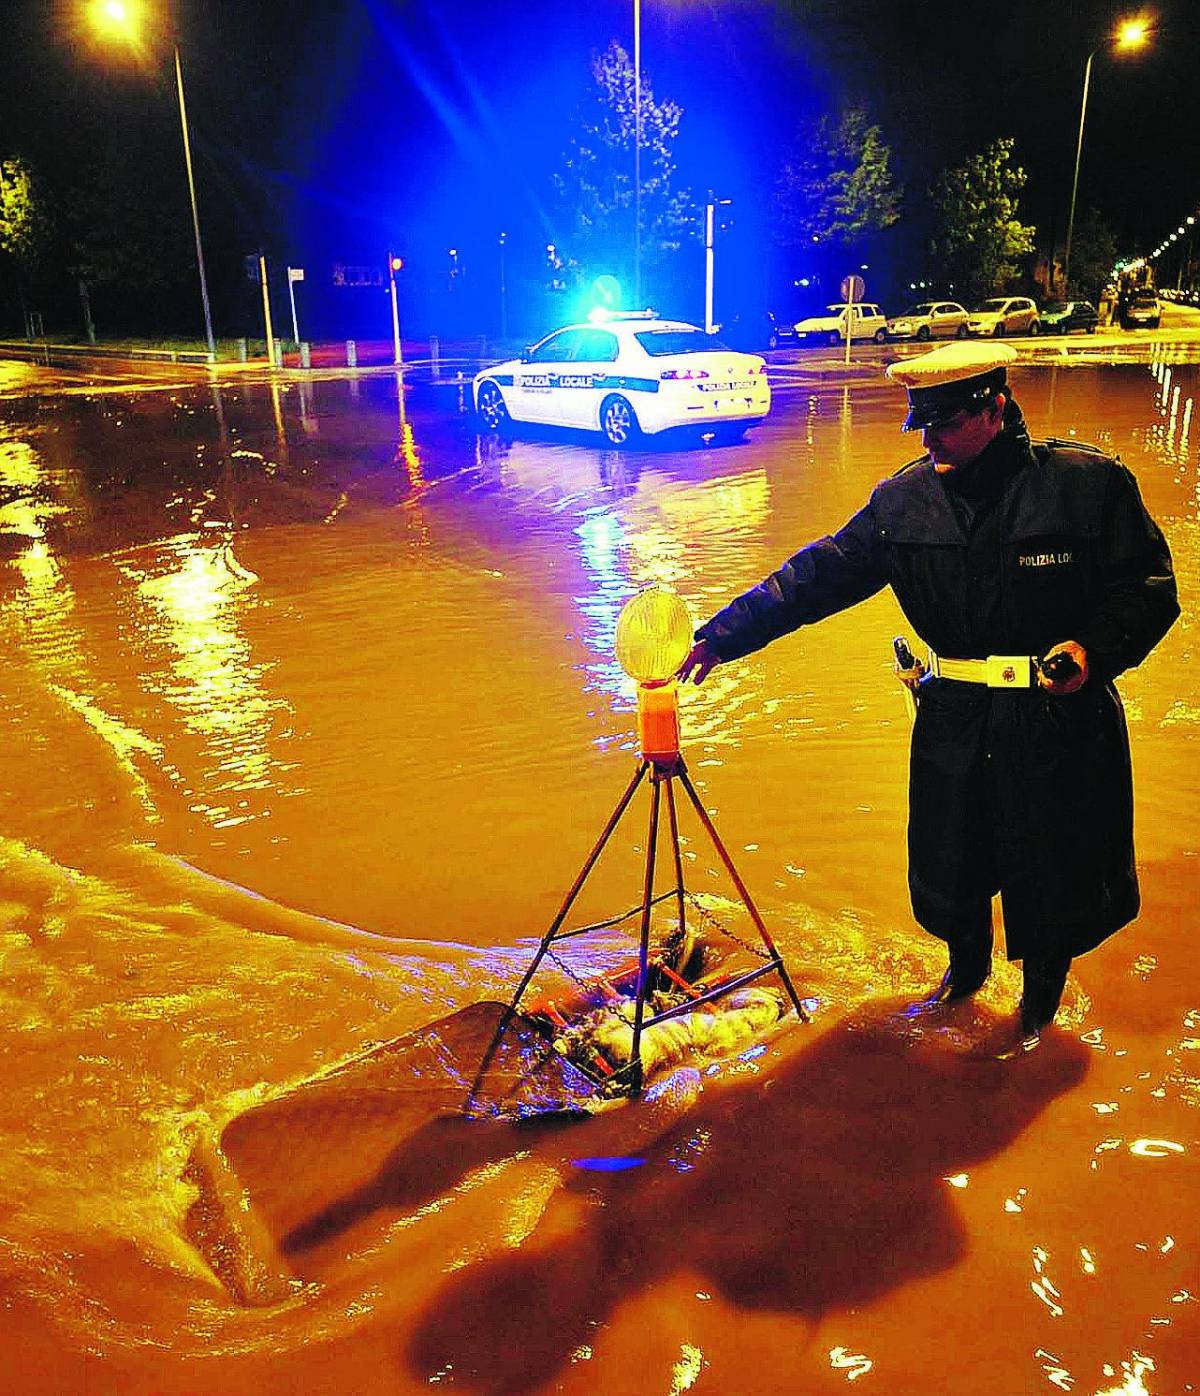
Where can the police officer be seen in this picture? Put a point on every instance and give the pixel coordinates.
(1035, 575)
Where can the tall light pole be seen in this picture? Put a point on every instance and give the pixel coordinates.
(503, 290)
(710, 211)
(1185, 250)
(637, 154)
(1131, 34)
(187, 159)
(116, 17)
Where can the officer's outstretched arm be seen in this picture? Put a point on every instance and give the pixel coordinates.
(825, 577)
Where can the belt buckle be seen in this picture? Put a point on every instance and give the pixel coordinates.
(1008, 671)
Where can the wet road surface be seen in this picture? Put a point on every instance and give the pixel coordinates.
(311, 716)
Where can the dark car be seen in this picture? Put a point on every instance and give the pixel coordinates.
(756, 331)
(1141, 311)
(1059, 317)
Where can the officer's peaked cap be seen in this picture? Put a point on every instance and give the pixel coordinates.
(948, 380)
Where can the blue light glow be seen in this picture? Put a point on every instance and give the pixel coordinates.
(618, 1164)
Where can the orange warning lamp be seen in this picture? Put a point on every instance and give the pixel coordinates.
(654, 637)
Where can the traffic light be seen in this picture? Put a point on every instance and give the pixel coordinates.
(396, 263)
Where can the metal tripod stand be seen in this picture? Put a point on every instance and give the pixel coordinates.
(663, 772)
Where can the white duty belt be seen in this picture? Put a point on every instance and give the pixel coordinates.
(996, 671)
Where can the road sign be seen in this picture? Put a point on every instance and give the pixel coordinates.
(345, 275)
(853, 289)
(294, 274)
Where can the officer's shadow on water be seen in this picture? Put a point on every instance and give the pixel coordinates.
(817, 1187)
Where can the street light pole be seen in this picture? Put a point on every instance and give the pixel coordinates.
(115, 17)
(187, 157)
(1131, 34)
(710, 229)
(1087, 78)
(637, 154)
(503, 290)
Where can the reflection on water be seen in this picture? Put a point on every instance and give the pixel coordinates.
(197, 594)
(604, 551)
(40, 613)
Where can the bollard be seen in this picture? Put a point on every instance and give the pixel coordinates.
(243, 351)
(351, 354)
(278, 351)
(435, 349)
(305, 354)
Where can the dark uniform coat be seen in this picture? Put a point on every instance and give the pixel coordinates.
(1011, 790)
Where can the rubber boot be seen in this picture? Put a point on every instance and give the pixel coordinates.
(1045, 977)
(970, 965)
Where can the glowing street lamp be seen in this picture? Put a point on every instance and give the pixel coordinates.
(1132, 33)
(117, 19)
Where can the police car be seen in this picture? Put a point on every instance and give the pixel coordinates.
(627, 374)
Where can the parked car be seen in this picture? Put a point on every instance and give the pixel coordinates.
(1004, 315)
(1060, 317)
(755, 331)
(930, 320)
(866, 321)
(1142, 311)
(626, 375)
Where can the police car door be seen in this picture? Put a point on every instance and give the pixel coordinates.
(589, 377)
(539, 395)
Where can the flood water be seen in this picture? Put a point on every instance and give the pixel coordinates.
(311, 716)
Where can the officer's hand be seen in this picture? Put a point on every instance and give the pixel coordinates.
(700, 662)
(1076, 680)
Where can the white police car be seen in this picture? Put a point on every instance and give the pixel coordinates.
(627, 374)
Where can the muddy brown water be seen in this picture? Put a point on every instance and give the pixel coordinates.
(311, 715)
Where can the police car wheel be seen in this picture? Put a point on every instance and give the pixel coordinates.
(492, 411)
(880, 336)
(618, 421)
(923, 333)
(998, 331)
(961, 332)
(1035, 327)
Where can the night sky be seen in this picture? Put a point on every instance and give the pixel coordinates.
(330, 129)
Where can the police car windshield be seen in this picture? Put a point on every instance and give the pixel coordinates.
(660, 343)
(998, 304)
(925, 308)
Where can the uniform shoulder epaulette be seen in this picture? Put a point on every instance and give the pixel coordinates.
(920, 460)
(1056, 443)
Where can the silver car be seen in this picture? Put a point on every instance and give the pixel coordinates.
(1005, 315)
(930, 320)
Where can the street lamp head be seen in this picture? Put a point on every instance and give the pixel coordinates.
(114, 18)
(1133, 32)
